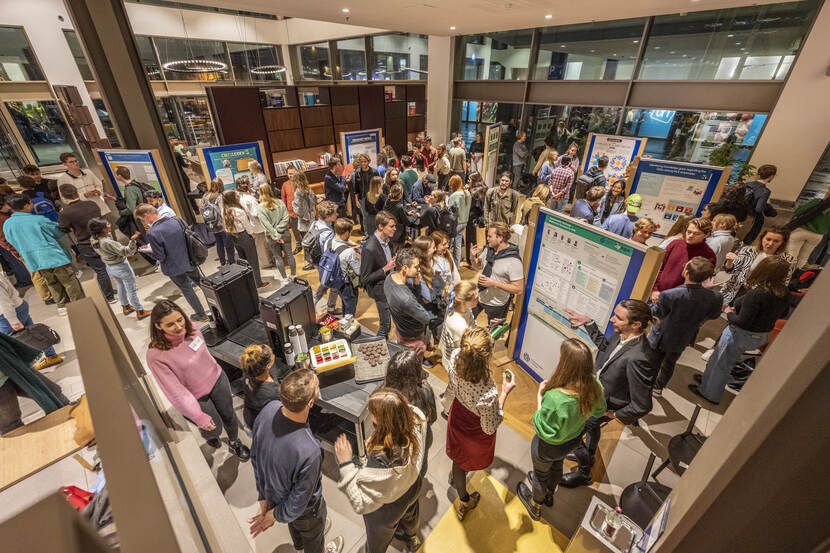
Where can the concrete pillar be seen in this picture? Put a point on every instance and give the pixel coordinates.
(798, 129)
(285, 51)
(439, 87)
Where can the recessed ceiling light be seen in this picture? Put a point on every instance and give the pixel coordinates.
(345, 10)
(672, 52)
(737, 44)
(592, 51)
(452, 28)
(563, 45)
(635, 41)
(657, 47)
(684, 55)
(549, 16)
(729, 36)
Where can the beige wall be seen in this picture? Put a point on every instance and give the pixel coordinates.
(799, 128)
(439, 87)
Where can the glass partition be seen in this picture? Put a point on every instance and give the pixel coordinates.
(78, 53)
(43, 130)
(563, 125)
(352, 59)
(496, 56)
(314, 60)
(399, 56)
(193, 60)
(106, 122)
(147, 52)
(17, 59)
(256, 62)
(187, 118)
(470, 117)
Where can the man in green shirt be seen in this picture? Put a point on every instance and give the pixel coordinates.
(408, 177)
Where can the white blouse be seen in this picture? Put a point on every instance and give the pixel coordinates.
(442, 265)
(454, 328)
(242, 222)
(481, 398)
(251, 206)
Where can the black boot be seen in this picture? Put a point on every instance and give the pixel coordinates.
(531, 477)
(526, 497)
(576, 478)
(240, 450)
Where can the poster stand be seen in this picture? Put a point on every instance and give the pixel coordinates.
(492, 145)
(620, 150)
(367, 142)
(230, 161)
(145, 166)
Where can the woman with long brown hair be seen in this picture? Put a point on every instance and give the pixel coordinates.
(432, 288)
(239, 224)
(190, 377)
(391, 158)
(386, 489)
(771, 242)
(476, 411)
(390, 179)
(475, 221)
(563, 404)
(404, 216)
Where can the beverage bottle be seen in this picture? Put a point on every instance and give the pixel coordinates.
(294, 339)
(289, 354)
(301, 339)
(613, 521)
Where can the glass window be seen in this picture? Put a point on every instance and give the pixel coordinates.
(17, 59)
(106, 122)
(193, 60)
(78, 53)
(563, 125)
(147, 53)
(314, 60)
(590, 51)
(399, 56)
(256, 62)
(757, 42)
(187, 118)
(470, 117)
(496, 56)
(352, 59)
(43, 130)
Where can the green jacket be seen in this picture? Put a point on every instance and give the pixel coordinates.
(132, 196)
(15, 360)
(821, 223)
(275, 221)
(559, 420)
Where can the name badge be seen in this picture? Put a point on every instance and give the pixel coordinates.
(196, 343)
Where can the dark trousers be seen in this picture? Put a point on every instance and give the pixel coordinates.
(246, 248)
(18, 269)
(667, 360)
(295, 230)
(398, 519)
(470, 237)
(186, 282)
(384, 317)
(219, 405)
(348, 295)
(547, 465)
(307, 530)
(459, 482)
(586, 451)
(755, 229)
(493, 312)
(10, 407)
(96, 264)
(224, 247)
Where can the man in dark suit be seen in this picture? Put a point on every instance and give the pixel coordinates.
(376, 260)
(334, 186)
(681, 312)
(625, 367)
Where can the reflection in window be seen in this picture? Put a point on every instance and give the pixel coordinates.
(496, 56)
(78, 53)
(256, 62)
(399, 56)
(43, 130)
(106, 122)
(352, 59)
(562, 125)
(589, 51)
(470, 117)
(757, 42)
(180, 59)
(187, 118)
(17, 59)
(148, 58)
(314, 60)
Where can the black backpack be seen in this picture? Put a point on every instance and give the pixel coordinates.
(143, 187)
(197, 252)
(311, 245)
(448, 220)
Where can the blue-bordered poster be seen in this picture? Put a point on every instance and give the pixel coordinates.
(144, 165)
(229, 162)
(672, 188)
(367, 142)
(577, 266)
(620, 151)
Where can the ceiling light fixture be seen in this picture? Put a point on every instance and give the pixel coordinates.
(195, 66)
(267, 69)
(549, 16)
(635, 41)
(452, 28)
(345, 10)
(729, 36)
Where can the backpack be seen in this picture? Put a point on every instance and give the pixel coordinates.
(581, 186)
(42, 206)
(331, 275)
(212, 216)
(143, 187)
(197, 252)
(311, 244)
(448, 220)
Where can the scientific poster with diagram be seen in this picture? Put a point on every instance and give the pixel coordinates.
(229, 162)
(144, 165)
(492, 142)
(672, 188)
(579, 267)
(367, 142)
(620, 150)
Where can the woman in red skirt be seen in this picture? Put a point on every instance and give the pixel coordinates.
(476, 411)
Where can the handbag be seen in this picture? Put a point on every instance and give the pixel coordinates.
(39, 336)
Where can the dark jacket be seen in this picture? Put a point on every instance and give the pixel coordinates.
(682, 311)
(629, 376)
(75, 216)
(167, 240)
(408, 312)
(420, 191)
(757, 310)
(360, 183)
(335, 188)
(49, 188)
(374, 208)
(398, 210)
(757, 195)
(372, 275)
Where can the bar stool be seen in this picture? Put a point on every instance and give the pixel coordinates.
(641, 500)
(683, 447)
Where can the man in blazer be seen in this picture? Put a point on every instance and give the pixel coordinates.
(625, 367)
(376, 260)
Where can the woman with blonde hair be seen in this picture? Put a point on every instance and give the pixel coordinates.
(564, 403)
(677, 230)
(573, 147)
(476, 411)
(443, 261)
(386, 489)
(375, 200)
(273, 214)
(432, 287)
(540, 197)
(258, 178)
(391, 157)
(547, 166)
(256, 363)
(240, 225)
(460, 318)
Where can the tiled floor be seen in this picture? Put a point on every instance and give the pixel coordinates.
(669, 417)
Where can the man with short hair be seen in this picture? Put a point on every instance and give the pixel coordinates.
(501, 202)
(334, 185)
(156, 199)
(597, 172)
(458, 158)
(41, 205)
(407, 178)
(408, 312)
(327, 213)
(287, 462)
(422, 189)
(757, 198)
(586, 208)
(376, 260)
(519, 156)
(48, 187)
(622, 224)
(37, 238)
(133, 197)
(169, 245)
(74, 218)
(349, 263)
(88, 185)
(560, 182)
(679, 252)
(502, 273)
(680, 313)
(643, 229)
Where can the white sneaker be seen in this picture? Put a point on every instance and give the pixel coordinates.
(335, 545)
(707, 354)
(61, 311)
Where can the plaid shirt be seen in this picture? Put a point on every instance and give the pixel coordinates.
(560, 182)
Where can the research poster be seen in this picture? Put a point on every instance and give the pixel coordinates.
(575, 266)
(141, 163)
(229, 162)
(621, 151)
(366, 142)
(491, 154)
(671, 188)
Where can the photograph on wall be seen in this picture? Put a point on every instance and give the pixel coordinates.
(620, 151)
(141, 164)
(367, 142)
(230, 162)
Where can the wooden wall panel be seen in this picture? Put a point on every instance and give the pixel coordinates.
(395, 133)
(316, 116)
(371, 106)
(346, 127)
(237, 114)
(395, 109)
(345, 114)
(416, 92)
(416, 124)
(344, 95)
(318, 136)
(277, 119)
(286, 140)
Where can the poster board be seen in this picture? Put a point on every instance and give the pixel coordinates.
(672, 188)
(492, 143)
(571, 264)
(621, 151)
(144, 165)
(230, 161)
(367, 142)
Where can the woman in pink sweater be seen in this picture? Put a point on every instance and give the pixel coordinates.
(190, 377)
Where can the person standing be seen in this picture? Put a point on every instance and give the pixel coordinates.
(239, 223)
(680, 312)
(169, 245)
(772, 242)
(475, 413)
(75, 218)
(404, 216)
(810, 223)
(723, 237)
(564, 403)
(460, 317)
(37, 238)
(501, 202)
(622, 224)
(47, 187)
(574, 160)
(462, 200)
(586, 208)
(376, 261)
(560, 182)
(679, 252)
(349, 263)
(502, 273)
(458, 158)
(408, 311)
(642, 230)
(360, 182)
(305, 206)
(256, 363)
(548, 164)
(156, 199)
(88, 185)
(287, 196)
(114, 255)
(14, 316)
(10, 256)
(477, 154)
(249, 200)
(442, 167)
(334, 185)
(626, 370)
(258, 178)
(757, 200)
(430, 154)
(133, 195)
(373, 202)
(478, 194)
(611, 203)
(323, 228)
(519, 157)
(190, 377)
(212, 214)
(287, 462)
(273, 215)
(407, 178)
(597, 173)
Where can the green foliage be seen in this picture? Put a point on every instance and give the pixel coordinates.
(723, 155)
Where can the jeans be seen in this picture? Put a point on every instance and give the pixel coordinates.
(321, 291)
(733, 342)
(22, 314)
(224, 247)
(10, 416)
(667, 360)
(96, 264)
(125, 281)
(348, 295)
(585, 452)
(218, 403)
(547, 465)
(457, 242)
(21, 274)
(558, 205)
(281, 250)
(384, 318)
(186, 283)
(398, 519)
(246, 248)
(307, 530)
(63, 284)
